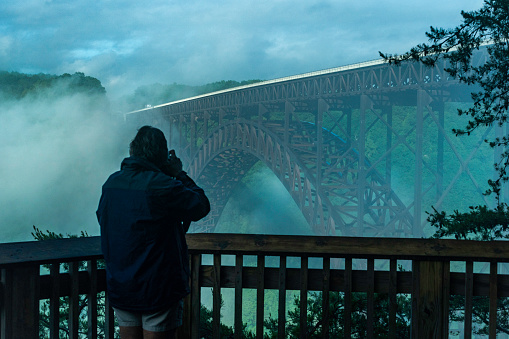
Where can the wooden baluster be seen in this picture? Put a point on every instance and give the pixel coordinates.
(493, 300)
(414, 332)
(348, 298)
(216, 298)
(326, 297)
(446, 294)
(92, 299)
(469, 295)
(74, 301)
(54, 302)
(109, 319)
(393, 302)
(303, 297)
(195, 295)
(184, 331)
(239, 264)
(260, 296)
(370, 298)
(281, 318)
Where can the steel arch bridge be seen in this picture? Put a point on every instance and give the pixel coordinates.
(315, 131)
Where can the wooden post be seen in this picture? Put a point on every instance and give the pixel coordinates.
(19, 309)
(195, 297)
(184, 331)
(430, 299)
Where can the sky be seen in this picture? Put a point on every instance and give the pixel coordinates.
(56, 153)
(130, 43)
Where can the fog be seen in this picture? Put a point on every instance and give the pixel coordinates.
(56, 151)
(260, 204)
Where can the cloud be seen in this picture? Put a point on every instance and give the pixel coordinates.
(5, 45)
(131, 43)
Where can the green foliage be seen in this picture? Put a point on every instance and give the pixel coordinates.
(480, 223)
(336, 317)
(44, 321)
(480, 313)
(206, 328)
(39, 235)
(16, 86)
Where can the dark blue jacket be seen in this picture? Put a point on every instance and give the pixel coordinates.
(141, 214)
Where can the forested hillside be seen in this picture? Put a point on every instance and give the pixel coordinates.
(16, 86)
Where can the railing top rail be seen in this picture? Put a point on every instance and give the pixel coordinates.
(362, 247)
(49, 251)
(76, 249)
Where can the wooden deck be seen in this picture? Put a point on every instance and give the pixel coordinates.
(346, 265)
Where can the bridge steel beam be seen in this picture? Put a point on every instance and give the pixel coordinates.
(423, 99)
(315, 132)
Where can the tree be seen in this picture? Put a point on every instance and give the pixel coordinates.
(15, 86)
(336, 317)
(206, 327)
(486, 28)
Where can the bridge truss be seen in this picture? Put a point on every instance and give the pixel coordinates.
(332, 139)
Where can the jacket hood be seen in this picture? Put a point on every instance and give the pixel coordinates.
(138, 164)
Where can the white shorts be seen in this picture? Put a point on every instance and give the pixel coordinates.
(161, 321)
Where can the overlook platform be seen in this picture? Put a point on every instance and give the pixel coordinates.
(424, 270)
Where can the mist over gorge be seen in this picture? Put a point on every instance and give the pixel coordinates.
(61, 137)
(58, 143)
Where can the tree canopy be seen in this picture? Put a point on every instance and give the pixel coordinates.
(486, 28)
(14, 85)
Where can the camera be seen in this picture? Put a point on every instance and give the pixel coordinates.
(171, 155)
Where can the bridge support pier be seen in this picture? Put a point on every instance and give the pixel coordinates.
(423, 100)
(365, 105)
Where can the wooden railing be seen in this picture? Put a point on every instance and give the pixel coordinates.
(428, 279)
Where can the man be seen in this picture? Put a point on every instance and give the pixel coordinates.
(144, 212)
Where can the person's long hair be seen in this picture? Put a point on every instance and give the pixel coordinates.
(150, 144)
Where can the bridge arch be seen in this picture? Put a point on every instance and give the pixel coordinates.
(232, 149)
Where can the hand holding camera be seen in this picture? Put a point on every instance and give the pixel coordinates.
(173, 165)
